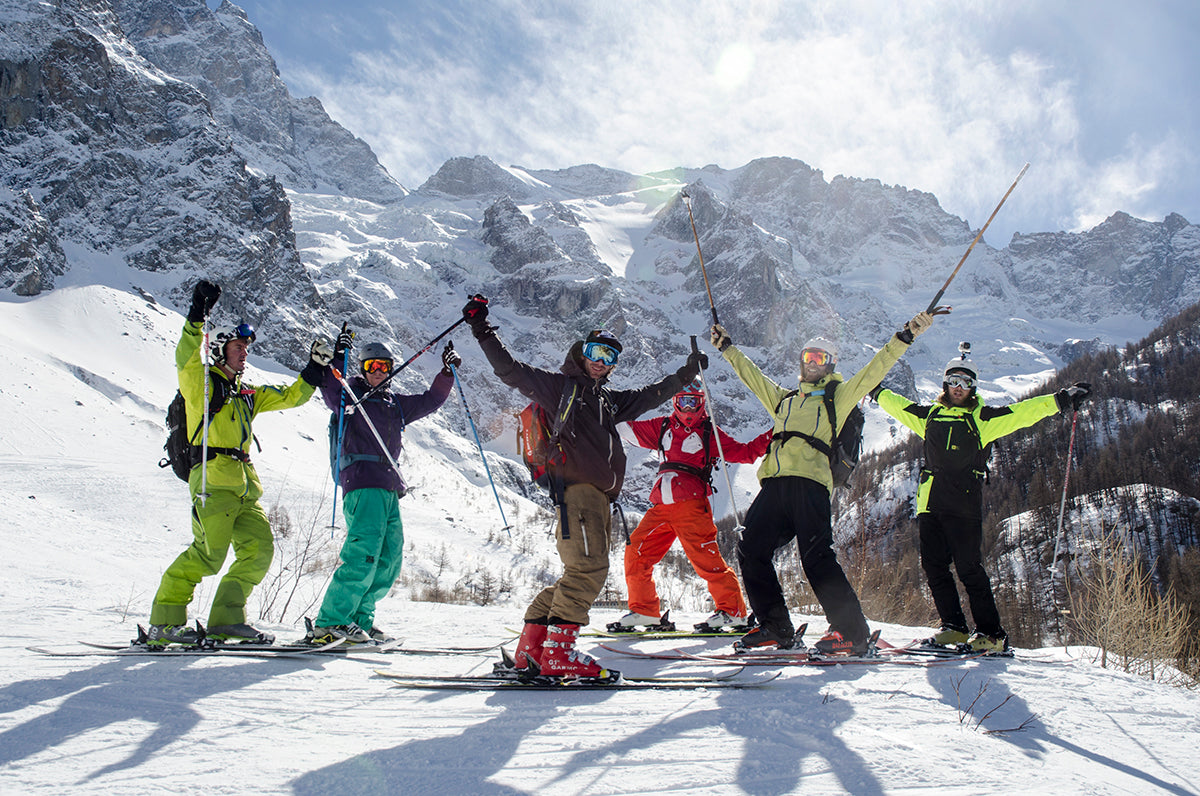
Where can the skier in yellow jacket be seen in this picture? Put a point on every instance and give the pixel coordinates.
(226, 513)
(796, 480)
(958, 431)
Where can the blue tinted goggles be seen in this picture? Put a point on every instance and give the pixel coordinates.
(599, 352)
(244, 330)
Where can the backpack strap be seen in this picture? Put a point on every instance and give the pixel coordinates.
(820, 445)
(554, 479)
(704, 473)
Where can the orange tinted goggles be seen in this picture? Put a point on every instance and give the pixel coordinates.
(377, 366)
(815, 356)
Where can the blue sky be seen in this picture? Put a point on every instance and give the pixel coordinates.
(946, 97)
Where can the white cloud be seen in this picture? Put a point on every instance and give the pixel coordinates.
(942, 98)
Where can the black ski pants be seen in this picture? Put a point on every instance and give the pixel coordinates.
(952, 539)
(787, 508)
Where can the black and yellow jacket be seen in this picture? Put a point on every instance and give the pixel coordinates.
(956, 445)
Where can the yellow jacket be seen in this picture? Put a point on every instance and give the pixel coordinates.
(231, 426)
(804, 411)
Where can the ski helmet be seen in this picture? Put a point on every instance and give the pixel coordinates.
(961, 364)
(604, 337)
(822, 344)
(374, 351)
(689, 405)
(216, 342)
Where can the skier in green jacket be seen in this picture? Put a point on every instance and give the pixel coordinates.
(958, 431)
(225, 512)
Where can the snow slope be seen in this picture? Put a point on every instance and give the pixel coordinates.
(90, 522)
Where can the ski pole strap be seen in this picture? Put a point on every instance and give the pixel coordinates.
(618, 511)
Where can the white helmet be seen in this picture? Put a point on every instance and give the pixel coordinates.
(216, 343)
(958, 363)
(823, 344)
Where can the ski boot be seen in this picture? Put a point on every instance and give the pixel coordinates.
(561, 661)
(326, 635)
(721, 622)
(946, 637)
(764, 639)
(162, 635)
(981, 642)
(650, 624)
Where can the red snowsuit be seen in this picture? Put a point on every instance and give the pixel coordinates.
(680, 509)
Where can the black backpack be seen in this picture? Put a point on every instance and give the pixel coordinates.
(182, 452)
(843, 456)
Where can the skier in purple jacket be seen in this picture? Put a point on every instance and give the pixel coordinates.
(371, 554)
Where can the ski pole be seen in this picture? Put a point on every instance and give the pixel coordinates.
(478, 444)
(371, 425)
(203, 495)
(687, 201)
(938, 297)
(712, 418)
(1062, 505)
(337, 468)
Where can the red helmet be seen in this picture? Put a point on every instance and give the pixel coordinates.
(689, 405)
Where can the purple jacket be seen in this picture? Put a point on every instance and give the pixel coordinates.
(390, 413)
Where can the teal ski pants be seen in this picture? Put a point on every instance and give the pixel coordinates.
(226, 519)
(371, 557)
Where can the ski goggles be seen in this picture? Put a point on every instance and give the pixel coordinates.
(688, 403)
(960, 380)
(599, 352)
(377, 366)
(244, 330)
(815, 356)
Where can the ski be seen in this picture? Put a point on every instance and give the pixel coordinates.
(233, 650)
(649, 635)
(918, 647)
(499, 682)
(665, 628)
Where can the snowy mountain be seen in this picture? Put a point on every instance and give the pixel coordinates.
(145, 144)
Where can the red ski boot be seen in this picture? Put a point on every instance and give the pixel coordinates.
(561, 659)
(529, 646)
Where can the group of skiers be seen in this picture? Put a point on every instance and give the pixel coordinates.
(586, 478)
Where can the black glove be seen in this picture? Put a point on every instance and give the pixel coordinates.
(698, 360)
(450, 358)
(204, 298)
(1073, 396)
(476, 310)
(344, 341)
(720, 338)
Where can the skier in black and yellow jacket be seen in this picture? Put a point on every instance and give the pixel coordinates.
(958, 431)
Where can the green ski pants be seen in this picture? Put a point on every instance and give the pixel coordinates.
(225, 519)
(371, 558)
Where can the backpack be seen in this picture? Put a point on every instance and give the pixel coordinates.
(847, 446)
(538, 435)
(182, 454)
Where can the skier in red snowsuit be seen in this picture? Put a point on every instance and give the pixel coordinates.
(680, 509)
